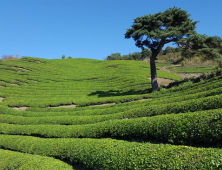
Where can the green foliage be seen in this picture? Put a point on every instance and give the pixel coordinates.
(116, 154)
(202, 45)
(114, 56)
(134, 56)
(16, 160)
(193, 69)
(158, 29)
(146, 53)
(63, 56)
(169, 50)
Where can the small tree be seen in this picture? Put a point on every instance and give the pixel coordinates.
(178, 49)
(169, 50)
(128, 57)
(146, 53)
(114, 56)
(209, 47)
(137, 56)
(172, 25)
(69, 57)
(63, 56)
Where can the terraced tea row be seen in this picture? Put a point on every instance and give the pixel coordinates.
(145, 109)
(116, 154)
(16, 160)
(189, 88)
(191, 128)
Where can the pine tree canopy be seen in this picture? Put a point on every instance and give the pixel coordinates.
(158, 29)
(173, 25)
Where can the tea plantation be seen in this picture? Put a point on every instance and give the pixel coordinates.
(92, 114)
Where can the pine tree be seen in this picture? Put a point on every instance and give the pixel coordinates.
(154, 31)
(172, 25)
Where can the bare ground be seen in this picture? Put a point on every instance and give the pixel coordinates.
(163, 81)
(20, 108)
(21, 68)
(1, 99)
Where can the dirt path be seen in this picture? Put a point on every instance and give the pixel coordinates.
(183, 75)
(164, 69)
(168, 71)
(20, 108)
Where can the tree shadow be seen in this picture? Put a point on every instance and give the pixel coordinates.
(111, 93)
(76, 166)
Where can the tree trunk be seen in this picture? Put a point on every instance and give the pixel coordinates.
(153, 73)
(155, 52)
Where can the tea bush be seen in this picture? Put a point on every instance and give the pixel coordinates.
(16, 160)
(116, 154)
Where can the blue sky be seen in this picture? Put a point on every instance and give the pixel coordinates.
(88, 28)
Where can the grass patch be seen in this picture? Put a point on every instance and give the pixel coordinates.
(193, 69)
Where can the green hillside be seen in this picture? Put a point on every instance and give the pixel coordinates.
(40, 82)
(46, 115)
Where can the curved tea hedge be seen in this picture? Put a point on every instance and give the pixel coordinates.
(115, 154)
(190, 129)
(16, 160)
(204, 103)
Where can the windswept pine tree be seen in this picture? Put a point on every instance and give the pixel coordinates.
(173, 25)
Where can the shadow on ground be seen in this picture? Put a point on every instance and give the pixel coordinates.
(111, 93)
